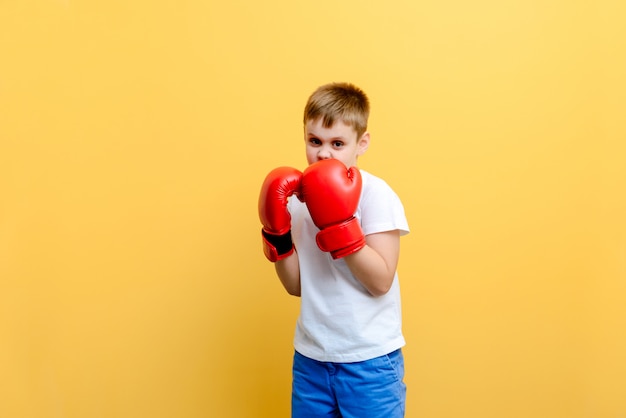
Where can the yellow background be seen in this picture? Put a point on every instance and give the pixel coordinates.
(134, 136)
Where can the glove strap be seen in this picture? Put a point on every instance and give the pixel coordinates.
(277, 247)
(342, 239)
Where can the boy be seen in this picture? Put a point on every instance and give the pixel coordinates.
(336, 245)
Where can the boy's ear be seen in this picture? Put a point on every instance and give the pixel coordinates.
(364, 143)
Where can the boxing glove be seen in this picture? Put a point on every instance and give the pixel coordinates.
(331, 192)
(279, 185)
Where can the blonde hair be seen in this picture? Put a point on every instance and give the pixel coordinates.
(339, 101)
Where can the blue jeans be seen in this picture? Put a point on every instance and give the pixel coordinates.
(365, 389)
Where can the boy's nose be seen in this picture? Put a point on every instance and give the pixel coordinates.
(324, 154)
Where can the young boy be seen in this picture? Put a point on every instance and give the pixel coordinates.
(336, 245)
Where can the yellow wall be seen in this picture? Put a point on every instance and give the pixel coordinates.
(134, 136)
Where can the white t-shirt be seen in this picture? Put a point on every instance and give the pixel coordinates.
(340, 321)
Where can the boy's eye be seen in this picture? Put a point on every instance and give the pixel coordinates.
(315, 141)
(337, 144)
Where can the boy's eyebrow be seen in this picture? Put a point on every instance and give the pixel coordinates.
(335, 138)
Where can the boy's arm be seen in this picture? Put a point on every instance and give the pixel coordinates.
(288, 270)
(332, 192)
(279, 185)
(375, 264)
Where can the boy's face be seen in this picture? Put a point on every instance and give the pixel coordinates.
(338, 142)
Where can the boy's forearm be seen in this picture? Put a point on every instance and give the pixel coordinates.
(288, 271)
(375, 264)
(370, 269)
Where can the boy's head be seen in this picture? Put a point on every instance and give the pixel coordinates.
(335, 123)
(343, 102)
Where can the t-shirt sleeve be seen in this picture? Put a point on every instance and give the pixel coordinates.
(381, 209)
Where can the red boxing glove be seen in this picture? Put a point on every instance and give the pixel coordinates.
(332, 193)
(279, 184)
